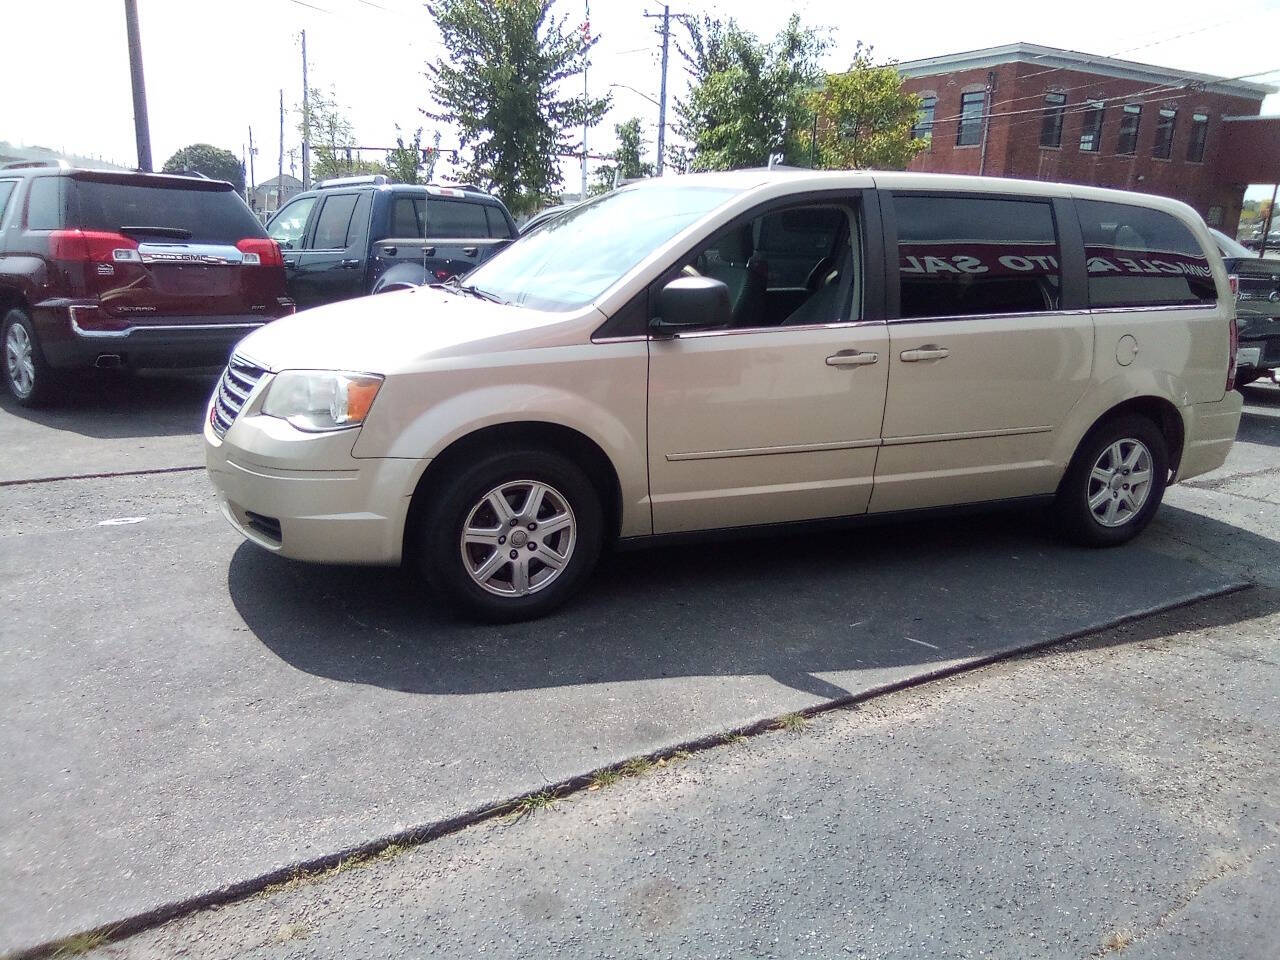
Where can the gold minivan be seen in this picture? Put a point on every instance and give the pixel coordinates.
(749, 349)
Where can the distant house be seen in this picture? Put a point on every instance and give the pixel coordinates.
(270, 195)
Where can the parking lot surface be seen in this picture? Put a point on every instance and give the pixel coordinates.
(183, 712)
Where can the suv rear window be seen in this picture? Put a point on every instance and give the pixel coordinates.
(209, 216)
(456, 218)
(1142, 257)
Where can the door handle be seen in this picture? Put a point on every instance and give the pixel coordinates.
(391, 251)
(428, 251)
(470, 251)
(927, 352)
(852, 358)
(290, 261)
(350, 264)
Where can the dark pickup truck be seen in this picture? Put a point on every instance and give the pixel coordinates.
(361, 235)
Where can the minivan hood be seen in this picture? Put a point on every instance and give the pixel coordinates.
(388, 332)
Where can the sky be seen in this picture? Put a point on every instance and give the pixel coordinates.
(215, 68)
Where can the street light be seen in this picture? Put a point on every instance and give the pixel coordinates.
(638, 93)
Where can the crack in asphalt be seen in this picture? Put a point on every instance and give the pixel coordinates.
(101, 476)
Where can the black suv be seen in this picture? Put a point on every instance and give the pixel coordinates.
(359, 235)
(118, 269)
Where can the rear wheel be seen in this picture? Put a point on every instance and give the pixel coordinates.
(1115, 482)
(511, 536)
(1245, 377)
(27, 377)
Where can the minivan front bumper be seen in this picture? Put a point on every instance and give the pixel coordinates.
(325, 506)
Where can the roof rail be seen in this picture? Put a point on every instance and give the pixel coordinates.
(185, 172)
(21, 164)
(458, 186)
(377, 179)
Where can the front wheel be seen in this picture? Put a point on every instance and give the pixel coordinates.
(511, 536)
(1115, 483)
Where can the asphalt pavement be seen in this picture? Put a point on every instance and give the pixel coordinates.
(186, 715)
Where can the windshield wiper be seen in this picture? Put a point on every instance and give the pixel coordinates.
(482, 294)
(175, 233)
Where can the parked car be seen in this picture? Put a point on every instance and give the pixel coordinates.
(115, 269)
(544, 216)
(359, 235)
(636, 373)
(1257, 309)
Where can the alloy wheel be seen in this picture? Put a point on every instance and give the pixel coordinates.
(518, 539)
(1120, 482)
(20, 360)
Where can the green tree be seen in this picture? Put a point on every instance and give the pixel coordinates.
(865, 118)
(213, 162)
(404, 162)
(748, 99)
(325, 123)
(506, 84)
(627, 160)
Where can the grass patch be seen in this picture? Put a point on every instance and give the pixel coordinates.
(528, 806)
(79, 944)
(604, 778)
(791, 722)
(636, 767)
(733, 739)
(1116, 942)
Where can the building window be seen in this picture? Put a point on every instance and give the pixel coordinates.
(1130, 120)
(969, 129)
(1163, 147)
(1055, 105)
(1199, 134)
(923, 130)
(1091, 131)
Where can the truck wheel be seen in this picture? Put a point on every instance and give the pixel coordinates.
(27, 376)
(511, 536)
(1114, 484)
(1246, 376)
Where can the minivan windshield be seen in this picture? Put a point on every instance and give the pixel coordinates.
(573, 259)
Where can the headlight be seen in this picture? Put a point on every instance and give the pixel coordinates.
(318, 400)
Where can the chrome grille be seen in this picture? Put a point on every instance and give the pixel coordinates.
(234, 387)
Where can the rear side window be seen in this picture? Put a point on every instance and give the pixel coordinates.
(44, 204)
(1142, 257)
(334, 222)
(198, 216)
(965, 256)
(6, 191)
(456, 218)
(498, 226)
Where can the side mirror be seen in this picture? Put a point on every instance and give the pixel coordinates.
(689, 302)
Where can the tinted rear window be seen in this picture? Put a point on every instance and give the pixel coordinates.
(456, 218)
(967, 256)
(209, 216)
(1142, 257)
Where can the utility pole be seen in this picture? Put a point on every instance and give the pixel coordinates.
(986, 120)
(280, 171)
(586, 38)
(141, 128)
(662, 96)
(1266, 230)
(306, 119)
(253, 183)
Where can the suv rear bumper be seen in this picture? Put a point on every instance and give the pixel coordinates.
(171, 342)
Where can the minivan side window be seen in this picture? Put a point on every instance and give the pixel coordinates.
(287, 228)
(44, 203)
(1137, 256)
(970, 256)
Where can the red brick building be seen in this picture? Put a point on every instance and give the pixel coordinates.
(1041, 113)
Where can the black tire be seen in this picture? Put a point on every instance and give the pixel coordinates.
(1244, 377)
(38, 385)
(1076, 518)
(450, 503)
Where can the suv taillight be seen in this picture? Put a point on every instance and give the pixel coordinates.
(1233, 341)
(260, 251)
(92, 246)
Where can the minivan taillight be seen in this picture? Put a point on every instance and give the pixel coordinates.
(1233, 346)
(1234, 281)
(92, 246)
(260, 251)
